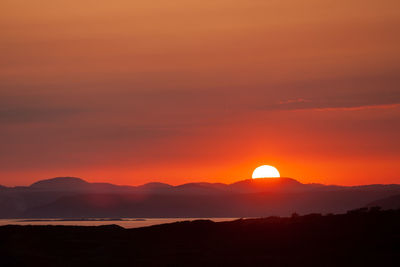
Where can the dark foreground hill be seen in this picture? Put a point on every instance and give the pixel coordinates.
(358, 238)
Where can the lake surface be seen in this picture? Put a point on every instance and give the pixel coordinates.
(124, 222)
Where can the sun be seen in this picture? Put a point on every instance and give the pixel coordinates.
(265, 171)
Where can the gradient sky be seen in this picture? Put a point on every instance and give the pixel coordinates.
(179, 91)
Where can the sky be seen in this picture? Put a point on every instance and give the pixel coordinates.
(179, 91)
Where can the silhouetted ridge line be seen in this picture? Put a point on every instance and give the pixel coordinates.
(59, 182)
(72, 197)
(364, 237)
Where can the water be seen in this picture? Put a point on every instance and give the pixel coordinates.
(123, 222)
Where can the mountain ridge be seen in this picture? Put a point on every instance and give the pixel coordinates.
(75, 197)
(54, 182)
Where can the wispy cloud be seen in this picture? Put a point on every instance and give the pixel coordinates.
(339, 103)
(355, 108)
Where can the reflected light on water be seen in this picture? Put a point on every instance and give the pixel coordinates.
(123, 222)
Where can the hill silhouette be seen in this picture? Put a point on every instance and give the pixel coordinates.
(76, 185)
(268, 184)
(359, 238)
(74, 197)
(61, 183)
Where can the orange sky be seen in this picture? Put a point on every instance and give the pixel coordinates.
(130, 92)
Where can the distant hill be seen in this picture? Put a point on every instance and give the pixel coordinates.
(77, 185)
(75, 197)
(155, 186)
(61, 183)
(268, 184)
(245, 186)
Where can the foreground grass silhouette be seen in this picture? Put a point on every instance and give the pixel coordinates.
(358, 238)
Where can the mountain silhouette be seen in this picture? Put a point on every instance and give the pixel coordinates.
(155, 186)
(75, 197)
(61, 183)
(268, 184)
(76, 184)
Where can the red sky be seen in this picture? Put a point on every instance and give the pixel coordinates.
(130, 92)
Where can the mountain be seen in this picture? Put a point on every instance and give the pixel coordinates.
(202, 188)
(61, 184)
(266, 185)
(75, 197)
(65, 184)
(155, 187)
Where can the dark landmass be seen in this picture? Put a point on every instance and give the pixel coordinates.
(364, 237)
(392, 202)
(69, 197)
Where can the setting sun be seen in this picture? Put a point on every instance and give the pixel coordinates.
(265, 171)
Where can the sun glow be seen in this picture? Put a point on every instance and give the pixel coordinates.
(265, 171)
